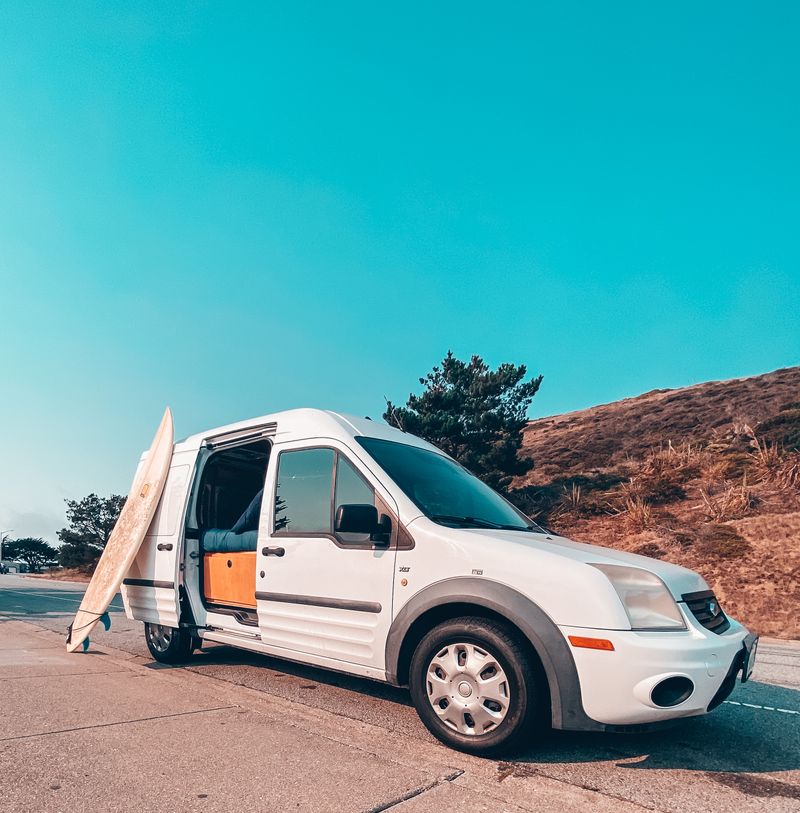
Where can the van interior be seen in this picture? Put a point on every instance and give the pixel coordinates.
(228, 508)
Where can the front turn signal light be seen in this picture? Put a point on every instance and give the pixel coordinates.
(591, 643)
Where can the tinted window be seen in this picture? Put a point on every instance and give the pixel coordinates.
(442, 489)
(351, 490)
(303, 494)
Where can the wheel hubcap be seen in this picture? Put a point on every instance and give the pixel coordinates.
(160, 637)
(468, 689)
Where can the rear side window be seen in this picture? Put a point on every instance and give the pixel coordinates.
(303, 495)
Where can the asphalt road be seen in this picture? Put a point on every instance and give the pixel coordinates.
(744, 756)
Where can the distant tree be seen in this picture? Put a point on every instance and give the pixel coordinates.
(34, 551)
(473, 413)
(78, 554)
(90, 522)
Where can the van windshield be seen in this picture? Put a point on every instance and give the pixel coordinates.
(444, 490)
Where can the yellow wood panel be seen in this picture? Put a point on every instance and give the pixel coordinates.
(230, 578)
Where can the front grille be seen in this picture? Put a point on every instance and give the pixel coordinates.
(705, 608)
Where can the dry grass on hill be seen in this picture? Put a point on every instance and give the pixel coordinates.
(707, 477)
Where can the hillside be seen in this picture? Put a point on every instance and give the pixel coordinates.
(705, 476)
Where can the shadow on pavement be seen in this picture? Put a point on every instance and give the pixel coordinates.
(220, 655)
(731, 739)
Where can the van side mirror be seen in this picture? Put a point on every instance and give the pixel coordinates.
(363, 519)
(356, 519)
(382, 535)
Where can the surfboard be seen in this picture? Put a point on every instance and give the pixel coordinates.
(127, 536)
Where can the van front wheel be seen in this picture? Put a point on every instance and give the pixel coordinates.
(167, 644)
(477, 686)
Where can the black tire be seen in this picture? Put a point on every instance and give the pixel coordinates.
(515, 666)
(167, 644)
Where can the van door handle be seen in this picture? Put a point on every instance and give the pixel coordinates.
(273, 551)
(164, 546)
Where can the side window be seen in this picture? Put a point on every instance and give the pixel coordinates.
(351, 489)
(303, 493)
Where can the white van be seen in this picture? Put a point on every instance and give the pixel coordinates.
(346, 544)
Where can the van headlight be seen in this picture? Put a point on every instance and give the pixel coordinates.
(647, 602)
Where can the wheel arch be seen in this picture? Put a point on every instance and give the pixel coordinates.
(455, 597)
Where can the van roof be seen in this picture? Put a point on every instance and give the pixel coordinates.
(299, 424)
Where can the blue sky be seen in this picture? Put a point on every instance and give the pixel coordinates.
(240, 208)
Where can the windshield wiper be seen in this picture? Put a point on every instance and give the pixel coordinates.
(483, 523)
(480, 523)
(477, 522)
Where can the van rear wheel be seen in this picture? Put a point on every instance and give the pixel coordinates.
(477, 687)
(167, 644)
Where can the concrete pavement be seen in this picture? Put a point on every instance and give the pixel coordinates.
(234, 730)
(104, 732)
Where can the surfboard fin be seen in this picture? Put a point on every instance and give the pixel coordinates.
(105, 620)
(85, 644)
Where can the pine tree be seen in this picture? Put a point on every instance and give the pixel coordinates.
(473, 413)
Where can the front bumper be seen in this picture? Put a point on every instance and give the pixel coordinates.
(616, 687)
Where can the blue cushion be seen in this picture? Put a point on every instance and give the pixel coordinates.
(215, 540)
(248, 521)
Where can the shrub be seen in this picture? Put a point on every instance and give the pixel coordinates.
(638, 513)
(717, 471)
(583, 493)
(656, 489)
(733, 464)
(787, 473)
(537, 502)
(774, 464)
(722, 541)
(650, 549)
(572, 498)
(662, 491)
(735, 501)
(675, 462)
(783, 429)
(78, 555)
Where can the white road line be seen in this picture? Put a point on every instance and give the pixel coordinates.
(765, 708)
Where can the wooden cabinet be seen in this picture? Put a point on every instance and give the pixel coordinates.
(230, 578)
